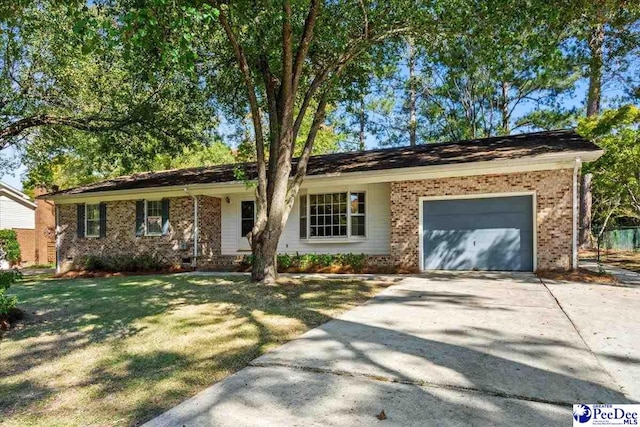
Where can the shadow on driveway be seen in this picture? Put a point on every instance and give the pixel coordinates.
(483, 350)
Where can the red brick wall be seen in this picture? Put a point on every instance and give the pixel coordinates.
(45, 219)
(27, 241)
(554, 214)
(554, 222)
(121, 238)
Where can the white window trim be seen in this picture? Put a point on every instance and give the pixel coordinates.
(243, 242)
(337, 239)
(146, 223)
(86, 221)
(534, 200)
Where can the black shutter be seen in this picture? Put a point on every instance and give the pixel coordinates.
(140, 218)
(165, 216)
(80, 216)
(103, 219)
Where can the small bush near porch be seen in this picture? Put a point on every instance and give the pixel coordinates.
(119, 351)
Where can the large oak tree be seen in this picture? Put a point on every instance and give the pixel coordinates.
(279, 62)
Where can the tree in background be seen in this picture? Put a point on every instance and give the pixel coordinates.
(506, 71)
(506, 74)
(606, 34)
(78, 107)
(616, 175)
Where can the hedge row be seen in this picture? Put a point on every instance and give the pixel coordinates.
(306, 262)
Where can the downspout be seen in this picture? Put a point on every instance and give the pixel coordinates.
(57, 234)
(196, 229)
(576, 173)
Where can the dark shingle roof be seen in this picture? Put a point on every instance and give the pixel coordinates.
(475, 150)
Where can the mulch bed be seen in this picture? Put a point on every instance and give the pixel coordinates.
(338, 269)
(84, 274)
(579, 275)
(6, 322)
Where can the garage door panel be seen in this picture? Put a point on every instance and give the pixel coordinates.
(488, 221)
(482, 234)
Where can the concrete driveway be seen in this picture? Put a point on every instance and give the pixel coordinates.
(442, 349)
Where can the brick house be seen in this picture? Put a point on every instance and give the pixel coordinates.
(503, 203)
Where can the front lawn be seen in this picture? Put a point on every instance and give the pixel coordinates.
(119, 351)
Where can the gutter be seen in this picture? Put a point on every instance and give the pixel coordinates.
(576, 172)
(540, 162)
(58, 239)
(196, 229)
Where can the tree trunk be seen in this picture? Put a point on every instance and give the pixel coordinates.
(363, 122)
(265, 265)
(596, 41)
(585, 211)
(412, 93)
(504, 108)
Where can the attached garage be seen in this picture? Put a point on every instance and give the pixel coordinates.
(488, 232)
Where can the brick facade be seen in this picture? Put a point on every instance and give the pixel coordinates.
(554, 214)
(121, 239)
(554, 218)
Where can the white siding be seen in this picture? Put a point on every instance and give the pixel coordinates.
(377, 223)
(15, 215)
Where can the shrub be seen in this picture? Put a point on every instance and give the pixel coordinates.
(124, 263)
(311, 262)
(285, 261)
(7, 303)
(9, 243)
(9, 277)
(92, 263)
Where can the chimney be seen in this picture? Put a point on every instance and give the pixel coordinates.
(45, 219)
(39, 190)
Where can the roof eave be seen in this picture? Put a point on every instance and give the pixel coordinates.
(539, 162)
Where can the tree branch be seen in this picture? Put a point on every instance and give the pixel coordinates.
(305, 43)
(303, 160)
(90, 124)
(335, 67)
(255, 115)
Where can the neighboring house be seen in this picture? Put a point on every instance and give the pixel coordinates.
(504, 203)
(33, 223)
(17, 213)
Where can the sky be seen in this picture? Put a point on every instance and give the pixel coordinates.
(14, 177)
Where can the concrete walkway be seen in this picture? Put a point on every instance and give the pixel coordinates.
(625, 277)
(443, 349)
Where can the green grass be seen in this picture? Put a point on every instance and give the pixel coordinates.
(119, 351)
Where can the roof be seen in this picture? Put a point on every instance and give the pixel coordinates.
(16, 195)
(474, 150)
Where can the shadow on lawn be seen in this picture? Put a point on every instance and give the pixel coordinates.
(78, 313)
(64, 316)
